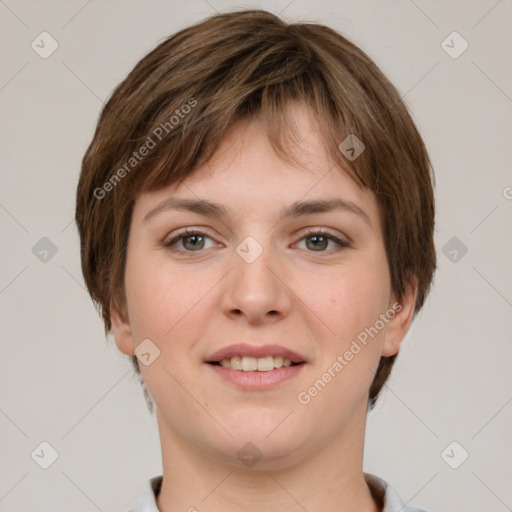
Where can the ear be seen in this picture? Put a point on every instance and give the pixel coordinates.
(121, 329)
(399, 324)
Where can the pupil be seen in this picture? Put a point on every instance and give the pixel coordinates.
(194, 245)
(318, 242)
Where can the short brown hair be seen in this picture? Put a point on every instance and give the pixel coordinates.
(180, 100)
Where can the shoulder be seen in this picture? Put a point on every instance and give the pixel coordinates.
(386, 495)
(147, 500)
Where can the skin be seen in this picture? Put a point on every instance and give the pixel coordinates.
(316, 302)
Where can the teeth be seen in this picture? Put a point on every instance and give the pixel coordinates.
(265, 364)
(251, 364)
(235, 363)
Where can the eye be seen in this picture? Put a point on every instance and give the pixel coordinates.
(319, 241)
(189, 241)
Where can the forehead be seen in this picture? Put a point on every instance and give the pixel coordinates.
(246, 173)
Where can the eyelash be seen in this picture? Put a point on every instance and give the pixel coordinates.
(342, 244)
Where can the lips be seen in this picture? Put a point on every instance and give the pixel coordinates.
(255, 351)
(255, 368)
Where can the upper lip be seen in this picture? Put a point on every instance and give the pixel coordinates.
(243, 349)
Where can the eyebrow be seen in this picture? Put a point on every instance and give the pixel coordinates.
(200, 206)
(296, 209)
(322, 206)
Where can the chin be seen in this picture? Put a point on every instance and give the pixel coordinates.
(258, 447)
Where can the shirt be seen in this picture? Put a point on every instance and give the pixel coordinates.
(382, 492)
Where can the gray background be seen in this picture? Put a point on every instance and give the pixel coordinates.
(62, 383)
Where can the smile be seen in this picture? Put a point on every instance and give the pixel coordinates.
(252, 364)
(254, 367)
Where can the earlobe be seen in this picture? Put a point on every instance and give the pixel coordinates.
(401, 321)
(121, 330)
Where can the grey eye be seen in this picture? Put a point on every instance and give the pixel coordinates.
(317, 242)
(193, 242)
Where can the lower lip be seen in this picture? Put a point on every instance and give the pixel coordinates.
(257, 381)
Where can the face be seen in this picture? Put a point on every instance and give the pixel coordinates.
(265, 288)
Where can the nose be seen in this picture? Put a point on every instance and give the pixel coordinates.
(256, 290)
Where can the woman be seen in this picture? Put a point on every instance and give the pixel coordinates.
(256, 217)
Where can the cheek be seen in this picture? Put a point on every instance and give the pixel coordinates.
(164, 302)
(349, 300)
(152, 302)
(350, 303)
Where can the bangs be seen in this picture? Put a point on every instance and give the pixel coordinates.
(191, 142)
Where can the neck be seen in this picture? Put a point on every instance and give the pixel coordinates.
(327, 477)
